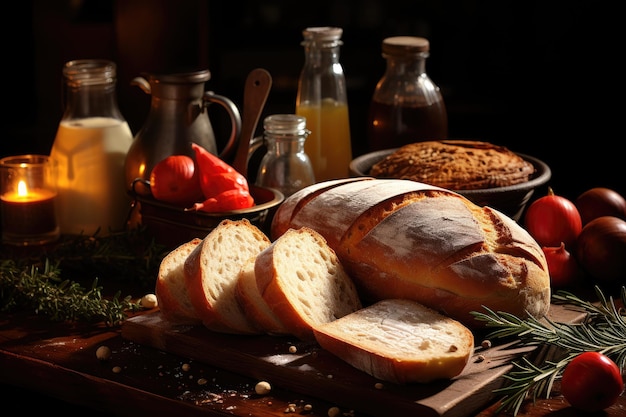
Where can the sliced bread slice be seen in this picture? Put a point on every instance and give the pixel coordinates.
(399, 341)
(303, 282)
(211, 273)
(171, 290)
(254, 306)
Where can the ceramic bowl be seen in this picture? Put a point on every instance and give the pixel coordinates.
(172, 225)
(510, 200)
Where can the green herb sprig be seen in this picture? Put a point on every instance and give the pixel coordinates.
(602, 330)
(47, 281)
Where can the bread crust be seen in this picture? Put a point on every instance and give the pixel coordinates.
(252, 303)
(455, 165)
(171, 289)
(211, 272)
(303, 282)
(400, 238)
(406, 342)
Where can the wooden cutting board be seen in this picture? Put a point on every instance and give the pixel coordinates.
(312, 371)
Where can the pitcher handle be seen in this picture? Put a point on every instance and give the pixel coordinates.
(235, 120)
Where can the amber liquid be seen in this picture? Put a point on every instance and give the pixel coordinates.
(328, 146)
(391, 126)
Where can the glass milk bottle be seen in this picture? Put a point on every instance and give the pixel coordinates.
(285, 166)
(90, 148)
(322, 100)
(407, 105)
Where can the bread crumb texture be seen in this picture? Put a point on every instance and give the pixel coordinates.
(400, 341)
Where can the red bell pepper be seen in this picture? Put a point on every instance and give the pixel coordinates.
(233, 199)
(216, 176)
(223, 187)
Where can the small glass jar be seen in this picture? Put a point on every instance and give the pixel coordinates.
(285, 165)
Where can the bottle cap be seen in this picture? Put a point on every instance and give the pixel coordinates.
(285, 124)
(324, 33)
(400, 45)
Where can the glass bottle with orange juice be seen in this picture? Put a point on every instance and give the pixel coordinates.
(322, 100)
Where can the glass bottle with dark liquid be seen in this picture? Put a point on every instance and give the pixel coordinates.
(407, 106)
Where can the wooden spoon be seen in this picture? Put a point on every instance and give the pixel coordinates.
(256, 90)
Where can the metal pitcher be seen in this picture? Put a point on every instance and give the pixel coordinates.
(178, 116)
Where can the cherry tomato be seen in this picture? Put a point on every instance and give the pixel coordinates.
(553, 219)
(562, 266)
(591, 382)
(174, 180)
(598, 202)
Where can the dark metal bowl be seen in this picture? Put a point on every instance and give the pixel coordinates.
(172, 225)
(510, 200)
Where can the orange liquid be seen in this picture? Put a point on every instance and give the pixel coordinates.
(328, 146)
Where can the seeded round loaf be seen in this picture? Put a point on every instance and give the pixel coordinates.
(455, 165)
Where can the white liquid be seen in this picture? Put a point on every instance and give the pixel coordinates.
(91, 183)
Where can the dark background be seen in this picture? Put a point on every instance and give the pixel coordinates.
(542, 78)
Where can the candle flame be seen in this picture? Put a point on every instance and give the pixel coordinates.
(22, 191)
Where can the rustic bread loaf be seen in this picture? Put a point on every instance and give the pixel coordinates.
(254, 306)
(211, 271)
(171, 290)
(303, 282)
(400, 341)
(455, 165)
(404, 239)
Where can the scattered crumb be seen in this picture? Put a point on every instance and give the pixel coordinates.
(379, 385)
(202, 381)
(149, 301)
(486, 344)
(103, 353)
(293, 349)
(334, 412)
(308, 407)
(116, 369)
(186, 367)
(262, 388)
(479, 358)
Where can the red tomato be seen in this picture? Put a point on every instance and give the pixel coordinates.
(553, 219)
(562, 266)
(591, 382)
(601, 249)
(598, 202)
(174, 180)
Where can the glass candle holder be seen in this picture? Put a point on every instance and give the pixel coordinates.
(28, 200)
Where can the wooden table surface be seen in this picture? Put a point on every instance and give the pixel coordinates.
(48, 366)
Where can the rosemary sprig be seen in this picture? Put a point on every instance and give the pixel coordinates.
(47, 281)
(602, 330)
(47, 294)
